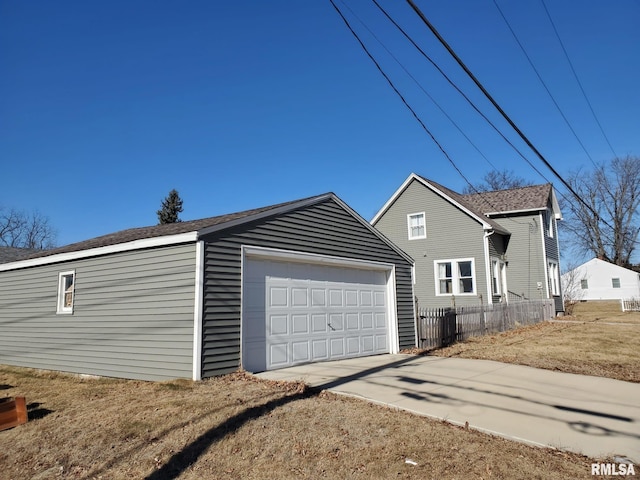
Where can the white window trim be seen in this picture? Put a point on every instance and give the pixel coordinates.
(496, 274)
(61, 309)
(613, 282)
(424, 222)
(554, 277)
(455, 279)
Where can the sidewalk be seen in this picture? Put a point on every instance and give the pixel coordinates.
(595, 416)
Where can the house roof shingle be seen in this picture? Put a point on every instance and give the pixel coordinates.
(140, 233)
(534, 197)
(471, 207)
(11, 254)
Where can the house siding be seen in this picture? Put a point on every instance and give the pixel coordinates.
(324, 228)
(526, 258)
(451, 234)
(132, 315)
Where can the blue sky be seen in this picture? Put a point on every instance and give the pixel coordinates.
(106, 106)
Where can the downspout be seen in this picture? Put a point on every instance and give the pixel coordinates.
(487, 264)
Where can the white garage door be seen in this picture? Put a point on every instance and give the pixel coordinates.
(298, 312)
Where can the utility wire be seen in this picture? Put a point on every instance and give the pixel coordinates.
(584, 94)
(543, 82)
(346, 22)
(453, 84)
(495, 104)
(419, 85)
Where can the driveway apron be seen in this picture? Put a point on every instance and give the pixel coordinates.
(598, 417)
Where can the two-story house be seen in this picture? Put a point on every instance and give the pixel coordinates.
(480, 248)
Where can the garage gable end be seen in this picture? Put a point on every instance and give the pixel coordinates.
(325, 229)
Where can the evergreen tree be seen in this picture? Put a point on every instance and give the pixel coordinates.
(171, 208)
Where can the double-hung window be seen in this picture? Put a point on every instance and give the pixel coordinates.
(584, 284)
(496, 276)
(416, 226)
(66, 282)
(554, 278)
(455, 277)
(615, 282)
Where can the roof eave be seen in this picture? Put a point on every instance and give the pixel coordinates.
(139, 244)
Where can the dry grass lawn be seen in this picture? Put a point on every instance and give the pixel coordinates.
(237, 427)
(597, 340)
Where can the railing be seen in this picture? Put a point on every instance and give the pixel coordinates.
(440, 327)
(630, 305)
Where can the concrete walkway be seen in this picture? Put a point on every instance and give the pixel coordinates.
(594, 416)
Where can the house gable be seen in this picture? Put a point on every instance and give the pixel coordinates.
(452, 233)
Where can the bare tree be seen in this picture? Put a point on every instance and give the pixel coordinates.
(608, 225)
(572, 290)
(497, 180)
(25, 230)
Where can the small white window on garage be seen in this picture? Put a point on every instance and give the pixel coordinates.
(584, 284)
(615, 282)
(416, 226)
(455, 277)
(66, 281)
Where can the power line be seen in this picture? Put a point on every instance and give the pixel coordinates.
(543, 82)
(453, 84)
(419, 85)
(346, 22)
(497, 106)
(575, 75)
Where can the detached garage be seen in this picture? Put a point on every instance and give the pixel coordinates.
(298, 282)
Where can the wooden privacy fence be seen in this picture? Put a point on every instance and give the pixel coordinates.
(439, 327)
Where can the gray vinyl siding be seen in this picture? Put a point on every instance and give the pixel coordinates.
(324, 228)
(526, 261)
(133, 315)
(451, 234)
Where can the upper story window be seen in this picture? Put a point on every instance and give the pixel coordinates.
(584, 284)
(66, 282)
(455, 277)
(416, 226)
(615, 282)
(548, 214)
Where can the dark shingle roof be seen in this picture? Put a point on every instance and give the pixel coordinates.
(11, 254)
(140, 233)
(463, 201)
(535, 197)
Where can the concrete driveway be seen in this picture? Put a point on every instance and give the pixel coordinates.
(594, 416)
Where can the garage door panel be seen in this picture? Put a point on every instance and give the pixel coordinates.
(278, 325)
(319, 350)
(300, 324)
(353, 321)
(336, 322)
(311, 312)
(278, 354)
(301, 351)
(353, 346)
(278, 297)
(336, 347)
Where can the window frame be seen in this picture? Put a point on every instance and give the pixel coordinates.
(584, 284)
(613, 282)
(496, 276)
(553, 270)
(61, 308)
(455, 277)
(424, 226)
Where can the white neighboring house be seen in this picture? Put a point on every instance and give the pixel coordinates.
(600, 280)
